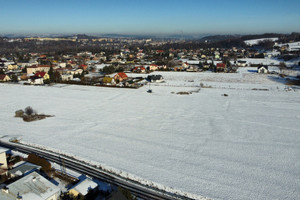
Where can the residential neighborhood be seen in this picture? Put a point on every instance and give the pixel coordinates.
(111, 68)
(30, 177)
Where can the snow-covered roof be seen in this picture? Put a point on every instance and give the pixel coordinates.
(84, 186)
(2, 149)
(101, 66)
(25, 167)
(30, 187)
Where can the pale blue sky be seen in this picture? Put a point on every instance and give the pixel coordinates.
(149, 16)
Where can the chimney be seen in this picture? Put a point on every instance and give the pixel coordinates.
(19, 197)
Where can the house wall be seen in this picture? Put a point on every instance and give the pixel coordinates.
(12, 67)
(45, 69)
(54, 197)
(6, 79)
(31, 70)
(73, 192)
(3, 160)
(38, 81)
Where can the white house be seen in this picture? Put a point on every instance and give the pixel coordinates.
(83, 187)
(33, 80)
(3, 161)
(66, 77)
(32, 186)
(262, 69)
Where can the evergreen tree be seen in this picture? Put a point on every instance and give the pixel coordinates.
(51, 74)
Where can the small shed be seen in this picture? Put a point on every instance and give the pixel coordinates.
(262, 69)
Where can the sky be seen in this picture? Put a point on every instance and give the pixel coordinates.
(149, 16)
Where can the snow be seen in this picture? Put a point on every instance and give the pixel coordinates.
(241, 146)
(256, 41)
(84, 186)
(292, 46)
(264, 61)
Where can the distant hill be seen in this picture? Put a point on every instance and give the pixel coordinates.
(265, 35)
(215, 38)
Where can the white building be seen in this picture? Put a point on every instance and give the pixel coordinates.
(83, 187)
(31, 187)
(3, 161)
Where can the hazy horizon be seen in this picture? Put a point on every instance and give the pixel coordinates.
(190, 17)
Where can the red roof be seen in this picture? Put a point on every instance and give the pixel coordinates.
(122, 75)
(221, 65)
(33, 66)
(44, 66)
(2, 76)
(40, 74)
(160, 51)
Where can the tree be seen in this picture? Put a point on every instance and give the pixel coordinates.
(28, 110)
(14, 78)
(56, 76)
(46, 166)
(24, 70)
(282, 65)
(109, 69)
(51, 74)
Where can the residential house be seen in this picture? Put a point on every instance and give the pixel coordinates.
(66, 77)
(155, 78)
(12, 67)
(185, 65)
(83, 187)
(192, 68)
(4, 78)
(121, 76)
(153, 67)
(221, 67)
(32, 69)
(139, 69)
(107, 80)
(206, 66)
(160, 51)
(43, 75)
(3, 161)
(84, 67)
(23, 169)
(38, 68)
(263, 69)
(242, 63)
(35, 80)
(32, 186)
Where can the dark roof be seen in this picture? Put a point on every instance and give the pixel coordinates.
(2, 76)
(154, 77)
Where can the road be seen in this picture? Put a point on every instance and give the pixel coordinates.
(136, 188)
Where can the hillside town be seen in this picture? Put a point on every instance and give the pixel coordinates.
(121, 64)
(112, 67)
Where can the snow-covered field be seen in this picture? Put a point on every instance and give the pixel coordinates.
(242, 146)
(256, 41)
